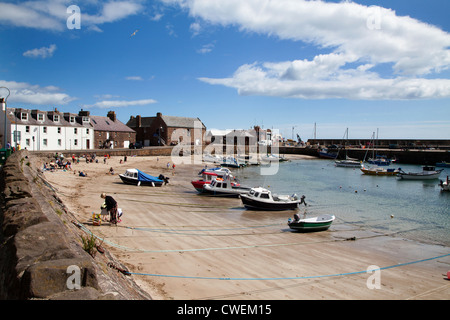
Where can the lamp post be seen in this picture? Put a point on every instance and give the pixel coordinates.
(4, 102)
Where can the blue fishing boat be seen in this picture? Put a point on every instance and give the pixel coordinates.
(139, 178)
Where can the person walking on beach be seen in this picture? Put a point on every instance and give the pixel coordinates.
(111, 207)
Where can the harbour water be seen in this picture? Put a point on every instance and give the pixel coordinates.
(415, 210)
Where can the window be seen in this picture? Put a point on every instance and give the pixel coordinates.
(24, 116)
(27, 129)
(87, 131)
(75, 142)
(44, 142)
(44, 129)
(55, 118)
(40, 117)
(265, 195)
(59, 130)
(224, 185)
(75, 131)
(72, 119)
(85, 119)
(59, 142)
(27, 142)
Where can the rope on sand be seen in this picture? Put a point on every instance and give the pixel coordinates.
(290, 278)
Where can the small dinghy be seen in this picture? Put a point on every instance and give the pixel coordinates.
(320, 223)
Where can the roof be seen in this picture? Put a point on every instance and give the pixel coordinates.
(15, 117)
(170, 121)
(181, 122)
(106, 124)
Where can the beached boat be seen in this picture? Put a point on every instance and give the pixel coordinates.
(139, 178)
(231, 162)
(377, 171)
(428, 173)
(207, 157)
(320, 223)
(261, 198)
(327, 154)
(224, 187)
(269, 158)
(444, 185)
(208, 175)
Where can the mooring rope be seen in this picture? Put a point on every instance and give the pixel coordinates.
(289, 278)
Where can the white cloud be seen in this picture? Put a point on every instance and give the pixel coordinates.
(120, 103)
(22, 92)
(207, 48)
(43, 52)
(52, 14)
(134, 78)
(360, 38)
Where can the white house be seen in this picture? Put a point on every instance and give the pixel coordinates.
(47, 130)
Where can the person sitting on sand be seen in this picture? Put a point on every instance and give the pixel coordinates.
(111, 170)
(82, 174)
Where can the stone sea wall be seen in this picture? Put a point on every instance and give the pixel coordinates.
(41, 251)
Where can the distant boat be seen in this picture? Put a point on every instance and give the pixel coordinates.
(327, 154)
(348, 163)
(428, 173)
(377, 171)
(263, 199)
(320, 223)
(139, 178)
(379, 161)
(443, 164)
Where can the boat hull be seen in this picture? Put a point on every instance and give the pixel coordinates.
(320, 223)
(134, 181)
(252, 203)
(383, 172)
(419, 176)
(224, 192)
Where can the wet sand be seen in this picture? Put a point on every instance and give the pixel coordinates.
(181, 245)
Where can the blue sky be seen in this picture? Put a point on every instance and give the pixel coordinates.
(285, 64)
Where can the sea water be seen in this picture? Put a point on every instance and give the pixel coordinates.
(413, 209)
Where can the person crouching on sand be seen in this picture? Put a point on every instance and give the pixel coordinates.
(111, 206)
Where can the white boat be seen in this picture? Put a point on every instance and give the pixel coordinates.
(444, 185)
(207, 157)
(320, 223)
(224, 187)
(263, 199)
(348, 163)
(428, 173)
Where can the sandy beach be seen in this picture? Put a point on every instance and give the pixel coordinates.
(182, 245)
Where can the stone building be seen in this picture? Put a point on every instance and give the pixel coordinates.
(109, 132)
(167, 130)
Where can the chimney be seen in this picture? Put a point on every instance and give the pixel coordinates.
(112, 115)
(159, 114)
(138, 121)
(83, 113)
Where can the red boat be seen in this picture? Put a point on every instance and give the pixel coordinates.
(209, 175)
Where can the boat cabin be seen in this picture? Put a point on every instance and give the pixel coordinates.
(131, 173)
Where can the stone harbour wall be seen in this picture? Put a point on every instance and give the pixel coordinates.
(40, 244)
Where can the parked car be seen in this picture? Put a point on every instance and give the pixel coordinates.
(136, 145)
